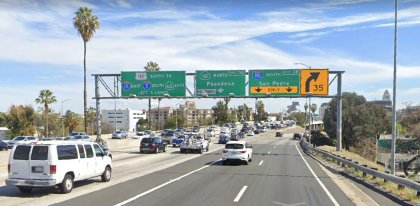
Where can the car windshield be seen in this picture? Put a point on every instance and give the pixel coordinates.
(147, 140)
(234, 146)
(74, 133)
(118, 132)
(19, 138)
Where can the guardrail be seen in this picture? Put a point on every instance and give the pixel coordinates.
(400, 181)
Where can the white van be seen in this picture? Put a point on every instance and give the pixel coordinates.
(50, 163)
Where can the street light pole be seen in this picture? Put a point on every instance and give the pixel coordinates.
(298, 63)
(62, 116)
(394, 96)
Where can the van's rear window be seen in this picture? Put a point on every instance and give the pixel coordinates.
(22, 152)
(66, 152)
(39, 153)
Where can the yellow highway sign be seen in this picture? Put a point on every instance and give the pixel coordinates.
(314, 80)
(274, 89)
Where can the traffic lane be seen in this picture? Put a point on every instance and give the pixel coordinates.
(216, 185)
(125, 190)
(122, 191)
(284, 179)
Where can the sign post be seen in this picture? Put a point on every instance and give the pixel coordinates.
(220, 83)
(280, 82)
(153, 83)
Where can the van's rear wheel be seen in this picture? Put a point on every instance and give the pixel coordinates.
(106, 176)
(67, 185)
(25, 189)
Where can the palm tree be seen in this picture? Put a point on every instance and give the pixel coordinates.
(86, 24)
(151, 66)
(91, 115)
(71, 120)
(45, 98)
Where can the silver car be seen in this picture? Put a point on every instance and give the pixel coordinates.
(119, 135)
(20, 139)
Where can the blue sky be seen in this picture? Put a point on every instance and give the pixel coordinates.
(40, 49)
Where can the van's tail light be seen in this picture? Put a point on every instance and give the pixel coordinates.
(8, 168)
(225, 151)
(243, 151)
(154, 145)
(53, 169)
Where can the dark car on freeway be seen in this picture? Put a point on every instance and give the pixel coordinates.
(152, 144)
(224, 138)
(3, 145)
(297, 136)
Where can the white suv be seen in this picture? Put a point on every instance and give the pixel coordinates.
(50, 163)
(237, 151)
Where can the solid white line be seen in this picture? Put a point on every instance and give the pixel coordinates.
(162, 185)
(261, 162)
(317, 179)
(238, 197)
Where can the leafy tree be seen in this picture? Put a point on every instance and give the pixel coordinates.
(141, 124)
(72, 121)
(220, 114)
(244, 112)
(46, 98)
(20, 120)
(91, 117)
(3, 122)
(299, 118)
(361, 120)
(260, 114)
(151, 66)
(233, 116)
(86, 24)
(171, 122)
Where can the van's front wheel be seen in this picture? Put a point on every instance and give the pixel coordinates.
(25, 189)
(106, 176)
(67, 185)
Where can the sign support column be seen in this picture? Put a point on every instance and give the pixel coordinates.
(98, 109)
(339, 112)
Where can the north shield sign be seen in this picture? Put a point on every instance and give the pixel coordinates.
(153, 83)
(220, 83)
(280, 82)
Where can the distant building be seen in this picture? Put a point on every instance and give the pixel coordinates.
(324, 106)
(385, 102)
(192, 115)
(161, 115)
(123, 119)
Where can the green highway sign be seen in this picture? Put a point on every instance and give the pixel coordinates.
(153, 83)
(278, 82)
(220, 83)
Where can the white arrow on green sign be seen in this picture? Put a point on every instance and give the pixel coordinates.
(220, 82)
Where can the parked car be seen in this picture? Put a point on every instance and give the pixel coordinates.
(119, 135)
(250, 132)
(194, 143)
(52, 163)
(77, 133)
(237, 151)
(20, 139)
(3, 145)
(152, 144)
(224, 138)
(297, 136)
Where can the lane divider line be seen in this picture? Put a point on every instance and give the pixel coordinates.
(317, 179)
(238, 197)
(164, 184)
(261, 162)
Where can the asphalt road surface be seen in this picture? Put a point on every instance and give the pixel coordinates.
(278, 175)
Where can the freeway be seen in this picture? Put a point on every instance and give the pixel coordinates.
(278, 175)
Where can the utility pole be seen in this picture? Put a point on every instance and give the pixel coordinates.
(394, 96)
